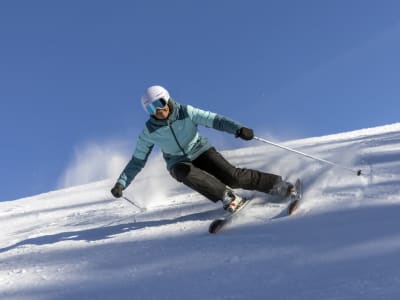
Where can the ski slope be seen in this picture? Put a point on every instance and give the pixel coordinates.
(344, 243)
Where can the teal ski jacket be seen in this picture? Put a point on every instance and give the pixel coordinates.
(177, 137)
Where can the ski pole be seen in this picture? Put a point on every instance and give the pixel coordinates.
(134, 204)
(358, 172)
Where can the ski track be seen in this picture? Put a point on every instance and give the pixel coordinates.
(80, 243)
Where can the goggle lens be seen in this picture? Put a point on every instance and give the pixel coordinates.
(153, 106)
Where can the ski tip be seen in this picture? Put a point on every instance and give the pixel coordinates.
(216, 226)
(293, 207)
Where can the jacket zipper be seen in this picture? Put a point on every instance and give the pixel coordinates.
(176, 139)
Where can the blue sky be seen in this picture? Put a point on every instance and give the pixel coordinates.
(72, 72)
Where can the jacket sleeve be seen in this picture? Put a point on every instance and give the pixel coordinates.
(213, 120)
(139, 158)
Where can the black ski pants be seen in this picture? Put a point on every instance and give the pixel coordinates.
(210, 173)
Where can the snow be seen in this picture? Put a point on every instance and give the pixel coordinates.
(80, 243)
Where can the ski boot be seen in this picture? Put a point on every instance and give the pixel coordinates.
(284, 189)
(231, 201)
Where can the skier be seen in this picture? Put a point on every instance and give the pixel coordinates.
(190, 158)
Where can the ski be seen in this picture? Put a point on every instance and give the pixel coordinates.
(293, 203)
(296, 199)
(219, 223)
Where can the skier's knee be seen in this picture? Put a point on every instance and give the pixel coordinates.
(180, 171)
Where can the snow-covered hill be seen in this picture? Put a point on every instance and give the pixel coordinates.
(80, 243)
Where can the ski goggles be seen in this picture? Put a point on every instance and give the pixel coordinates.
(152, 107)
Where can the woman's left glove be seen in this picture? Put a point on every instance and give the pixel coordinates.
(245, 133)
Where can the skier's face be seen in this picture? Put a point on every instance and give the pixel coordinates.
(162, 113)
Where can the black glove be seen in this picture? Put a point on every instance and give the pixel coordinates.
(245, 133)
(116, 191)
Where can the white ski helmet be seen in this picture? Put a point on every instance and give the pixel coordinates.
(151, 96)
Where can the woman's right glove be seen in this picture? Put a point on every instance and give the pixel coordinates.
(116, 191)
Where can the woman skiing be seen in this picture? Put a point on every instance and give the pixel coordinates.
(190, 158)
